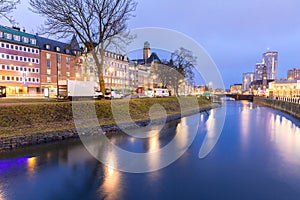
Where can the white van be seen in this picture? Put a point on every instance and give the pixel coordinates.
(160, 92)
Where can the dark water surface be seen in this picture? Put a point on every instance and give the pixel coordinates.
(256, 157)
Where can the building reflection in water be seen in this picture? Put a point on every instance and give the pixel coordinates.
(111, 187)
(285, 134)
(31, 165)
(245, 123)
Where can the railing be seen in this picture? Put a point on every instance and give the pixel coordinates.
(288, 99)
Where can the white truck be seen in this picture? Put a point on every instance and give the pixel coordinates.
(83, 89)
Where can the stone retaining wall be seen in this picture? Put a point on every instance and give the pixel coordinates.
(41, 138)
(291, 108)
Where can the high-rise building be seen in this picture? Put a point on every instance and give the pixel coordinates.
(294, 74)
(247, 79)
(258, 71)
(270, 60)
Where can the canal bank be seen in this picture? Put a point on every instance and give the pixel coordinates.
(285, 106)
(61, 134)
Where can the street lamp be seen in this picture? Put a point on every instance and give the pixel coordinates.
(111, 71)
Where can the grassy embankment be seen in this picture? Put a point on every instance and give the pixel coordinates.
(21, 119)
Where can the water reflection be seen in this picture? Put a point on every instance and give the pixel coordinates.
(31, 165)
(111, 187)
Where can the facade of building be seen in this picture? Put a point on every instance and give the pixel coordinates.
(19, 62)
(260, 87)
(58, 64)
(286, 88)
(115, 71)
(236, 89)
(247, 79)
(293, 74)
(258, 71)
(270, 60)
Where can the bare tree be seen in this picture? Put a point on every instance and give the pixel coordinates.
(177, 70)
(6, 6)
(183, 61)
(97, 23)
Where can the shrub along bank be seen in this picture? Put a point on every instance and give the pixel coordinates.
(24, 119)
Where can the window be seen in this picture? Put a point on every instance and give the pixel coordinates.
(25, 39)
(21, 48)
(3, 67)
(17, 78)
(12, 78)
(7, 36)
(7, 46)
(48, 61)
(21, 78)
(16, 48)
(21, 58)
(47, 46)
(1, 34)
(48, 71)
(2, 56)
(12, 57)
(11, 46)
(17, 38)
(29, 69)
(25, 59)
(36, 51)
(17, 58)
(68, 60)
(12, 68)
(29, 60)
(32, 50)
(7, 56)
(8, 78)
(3, 78)
(7, 67)
(37, 70)
(58, 58)
(57, 49)
(2, 45)
(21, 68)
(29, 79)
(24, 69)
(33, 70)
(32, 41)
(48, 79)
(33, 79)
(25, 49)
(17, 68)
(37, 80)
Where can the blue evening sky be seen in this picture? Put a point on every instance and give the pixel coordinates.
(234, 32)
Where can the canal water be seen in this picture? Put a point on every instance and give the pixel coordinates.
(257, 157)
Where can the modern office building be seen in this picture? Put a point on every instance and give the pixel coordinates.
(258, 71)
(270, 60)
(19, 62)
(247, 79)
(293, 74)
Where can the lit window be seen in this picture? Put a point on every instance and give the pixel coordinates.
(57, 49)
(48, 46)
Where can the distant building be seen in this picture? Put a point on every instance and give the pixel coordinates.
(270, 60)
(259, 87)
(236, 89)
(247, 79)
(258, 71)
(19, 62)
(293, 74)
(284, 88)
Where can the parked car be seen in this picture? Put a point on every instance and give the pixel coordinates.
(113, 95)
(98, 94)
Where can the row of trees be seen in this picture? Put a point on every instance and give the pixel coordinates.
(99, 24)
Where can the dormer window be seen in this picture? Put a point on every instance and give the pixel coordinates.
(57, 49)
(67, 51)
(33, 41)
(47, 46)
(25, 39)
